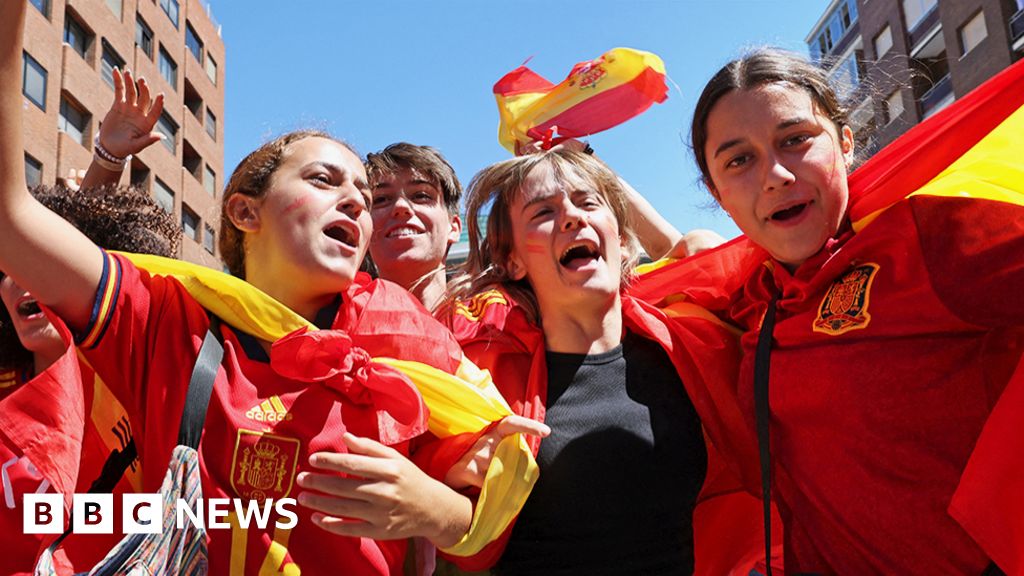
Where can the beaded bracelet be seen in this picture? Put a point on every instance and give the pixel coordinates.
(107, 160)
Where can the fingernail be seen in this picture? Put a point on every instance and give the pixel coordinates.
(317, 517)
(301, 478)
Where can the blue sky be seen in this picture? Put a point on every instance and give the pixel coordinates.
(380, 71)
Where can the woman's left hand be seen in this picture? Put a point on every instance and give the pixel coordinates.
(382, 495)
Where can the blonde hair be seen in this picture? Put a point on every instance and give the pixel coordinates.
(497, 187)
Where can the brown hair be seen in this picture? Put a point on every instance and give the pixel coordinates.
(424, 159)
(497, 187)
(251, 178)
(763, 66)
(114, 218)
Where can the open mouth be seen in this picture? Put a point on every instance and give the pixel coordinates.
(579, 254)
(789, 213)
(341, 234)
(404, 232)
(29, 309)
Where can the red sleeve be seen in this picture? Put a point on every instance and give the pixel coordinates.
(142, 330)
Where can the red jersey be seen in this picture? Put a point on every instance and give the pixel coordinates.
(56, 432)
(260, 427)
(891, 348)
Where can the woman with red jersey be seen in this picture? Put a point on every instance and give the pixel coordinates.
(878, 350)
(295, 225)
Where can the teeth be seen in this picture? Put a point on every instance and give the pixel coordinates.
(403, 233)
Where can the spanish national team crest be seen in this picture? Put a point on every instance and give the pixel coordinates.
(845, 306)
(263, 465)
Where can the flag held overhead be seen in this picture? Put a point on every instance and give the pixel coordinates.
(596, 96)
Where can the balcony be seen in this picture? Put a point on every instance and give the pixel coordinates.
(937, 97)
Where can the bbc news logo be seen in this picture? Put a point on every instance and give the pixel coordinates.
(143, 513)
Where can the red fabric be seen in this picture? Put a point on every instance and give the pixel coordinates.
(259, 419)
(987, 501)
(727, 523)
(872, 428)
(49, 442)
(41, 427)
(328, 356)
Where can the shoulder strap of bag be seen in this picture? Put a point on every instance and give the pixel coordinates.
(762, 370)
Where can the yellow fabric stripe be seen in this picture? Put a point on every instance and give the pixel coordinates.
(276, 554)
(464, 402)
(239, 543)
(993, 169)
(8, 379)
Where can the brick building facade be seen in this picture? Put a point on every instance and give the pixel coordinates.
(71, 46)
(916, 56)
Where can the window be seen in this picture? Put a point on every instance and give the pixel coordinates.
(169, 128)
(893, 106)
(108, 62)
(42, 5)
(835, 27)
(193, 43)
(168, 68)
(33, 80)
(144, 36)
(33, 171)
(164, 196)
(193, 101)
(846, 76)
(973, 33)
(209, 238)
(115, 7)
(211, 69)
(915, 10)
(883, 42)
(189, 223)
(171, 9)
(75, 35)
(210, 181)
(139, 175)
(73, 121)
(211, 124)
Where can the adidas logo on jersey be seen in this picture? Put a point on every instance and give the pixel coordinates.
(270, 410)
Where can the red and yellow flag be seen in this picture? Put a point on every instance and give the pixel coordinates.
(971, 149)
(597, 95)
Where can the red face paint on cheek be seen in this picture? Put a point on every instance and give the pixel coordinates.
(534, 248)
(297, 203)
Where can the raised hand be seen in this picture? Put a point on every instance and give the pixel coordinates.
(380, 494)
(128, 126)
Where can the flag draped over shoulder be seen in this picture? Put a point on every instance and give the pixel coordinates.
(465, 401)
(974, 148)
(596, 96)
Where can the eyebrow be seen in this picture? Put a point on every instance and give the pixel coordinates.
(414, 181)
(789, 122)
